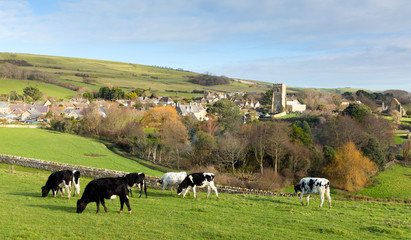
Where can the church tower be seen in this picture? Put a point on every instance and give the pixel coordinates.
(279, 101)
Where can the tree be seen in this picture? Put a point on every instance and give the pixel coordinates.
(156, 117)
(277, 140)
(230, 116)
(174, 134)
(88, 95)
(374, 151)
(257, 134)
(406, 148)
(350, 170)
(231, 150)
(32, 92)
(357, 111)
(203, 146)
(298, 134)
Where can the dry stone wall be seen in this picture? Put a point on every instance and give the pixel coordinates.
(101, 172)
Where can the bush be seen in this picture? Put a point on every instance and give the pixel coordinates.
(350, 170)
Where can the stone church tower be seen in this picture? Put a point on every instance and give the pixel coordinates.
(279, 101)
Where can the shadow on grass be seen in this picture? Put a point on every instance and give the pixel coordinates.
(28, 194)
(72, 209)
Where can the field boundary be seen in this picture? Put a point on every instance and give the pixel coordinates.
(102, 172)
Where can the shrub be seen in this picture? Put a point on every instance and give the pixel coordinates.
(350, 170)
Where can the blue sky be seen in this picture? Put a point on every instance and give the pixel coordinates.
(312, 43)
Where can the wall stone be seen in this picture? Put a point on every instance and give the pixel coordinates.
(101, 172)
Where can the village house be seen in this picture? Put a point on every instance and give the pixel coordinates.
(295, 106)
(4, 107)
(42, 103)
(166, 101)
(192, 109)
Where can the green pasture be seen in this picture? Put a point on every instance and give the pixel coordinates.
(26, 215)
(65, 148)
(393, 183)
(123, 75)
(8, 85)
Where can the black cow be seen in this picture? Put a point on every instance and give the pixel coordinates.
(136, 179)
(56, 181)
(197, 180)
(104, 188)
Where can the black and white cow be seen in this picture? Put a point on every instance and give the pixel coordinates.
(58, 180)
(136, 179)
(104, 188)
(199, 180)
(313, 186)
(76, 182)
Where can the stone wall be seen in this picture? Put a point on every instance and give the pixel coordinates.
(101, 172)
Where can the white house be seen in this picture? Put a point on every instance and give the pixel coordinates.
(192, 110)
(296, 106)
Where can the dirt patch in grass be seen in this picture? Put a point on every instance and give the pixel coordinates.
(93, 155)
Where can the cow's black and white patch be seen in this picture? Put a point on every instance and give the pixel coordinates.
(313, 186)
(58, 180)
(136, 180)
(199, 180)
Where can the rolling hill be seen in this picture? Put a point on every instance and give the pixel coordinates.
(91, 75)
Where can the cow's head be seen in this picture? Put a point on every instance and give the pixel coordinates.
(297, 189)
(159, 182)
(81, 205)
(181, 186)
(44, 191)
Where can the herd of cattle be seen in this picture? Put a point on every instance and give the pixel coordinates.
(109, 188)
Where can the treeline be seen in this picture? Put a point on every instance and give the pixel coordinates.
(265, 155)
(209, 80)
(12, 71)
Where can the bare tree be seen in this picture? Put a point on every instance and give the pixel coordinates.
(231, 150)
(277, 139)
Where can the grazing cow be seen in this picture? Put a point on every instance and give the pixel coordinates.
(172, 179)
(58, 180)
(75, 182)
(197, 180)
(104, 188)
(313, 186)
(136, 179)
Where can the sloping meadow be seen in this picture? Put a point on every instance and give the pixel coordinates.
(25, 215)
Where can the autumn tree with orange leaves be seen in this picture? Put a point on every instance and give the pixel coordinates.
(350, 169)
(156, 117)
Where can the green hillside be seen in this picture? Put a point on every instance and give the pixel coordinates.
(65, 148)
(94, 74)
(7, 85)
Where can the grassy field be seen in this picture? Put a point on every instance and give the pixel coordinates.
(65, 148)
(125, 75)
(7, 85)
(392, 183)
(25, 215)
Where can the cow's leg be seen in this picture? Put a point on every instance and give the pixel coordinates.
(208, 190)
(322, 191)
(194, 191)
(186, 190)
(301, 197)
(214, 188)
(145, 188)
(124, 199)
(68, 187)
(308, 199)
(104, 205)
(171, 189)
(164, 187)
(327, 192)
(98, 205)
